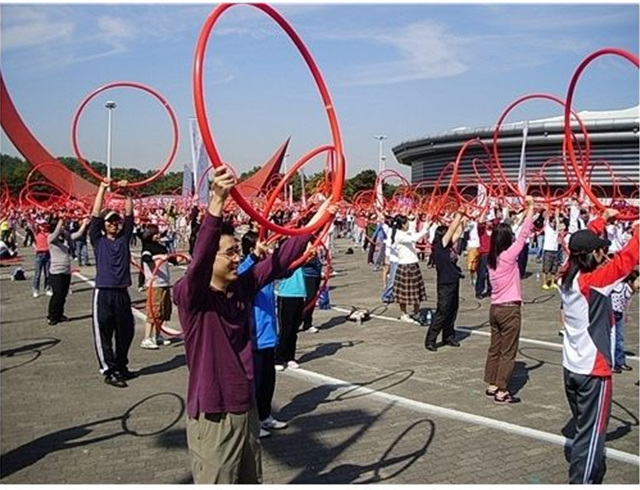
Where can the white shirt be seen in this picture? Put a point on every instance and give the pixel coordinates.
(550, 238)
(474, 238)
(405, 244)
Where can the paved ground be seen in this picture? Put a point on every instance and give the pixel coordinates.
(369, 405)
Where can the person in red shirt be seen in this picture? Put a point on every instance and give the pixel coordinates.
(483, 284)
(41, 247)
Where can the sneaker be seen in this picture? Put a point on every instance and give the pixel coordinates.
(52, 322)
(293, 365)
(36, 293)
(452, 343)
(141, 289)
(48, 292)
(561, 332)
(546, 287)
(431, 347)
(149, 343)
(114, 379)
(271, 423)
(279, 367)
(64, 318)
(407, 319)
(160, 340)
(554, 286)
(313, 330)
(490, 393)
(127, 375)
(264, 433)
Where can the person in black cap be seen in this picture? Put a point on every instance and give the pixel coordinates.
(110, 237)
(587, 282)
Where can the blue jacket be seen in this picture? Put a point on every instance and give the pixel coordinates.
(264, 325)
(293, 286)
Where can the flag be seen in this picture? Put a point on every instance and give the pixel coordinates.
(522, 172)
(187, 181)
(200, 161)
(379, 196)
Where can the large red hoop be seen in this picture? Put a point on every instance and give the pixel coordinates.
(567, 122)
(149, 90)
(207, 136)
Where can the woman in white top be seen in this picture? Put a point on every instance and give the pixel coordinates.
(408, 285)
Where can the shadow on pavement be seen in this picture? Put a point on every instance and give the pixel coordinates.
(32, 351)
(175, 363)
(520, 375)
(326, 350)
(134, 422)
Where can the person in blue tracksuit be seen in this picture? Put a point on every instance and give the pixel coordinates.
(264, 328)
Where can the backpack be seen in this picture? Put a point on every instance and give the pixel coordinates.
(324, 302)
(424, 317)
(358, 315)
(18, 275)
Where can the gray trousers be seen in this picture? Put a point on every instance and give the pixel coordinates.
(590, 400)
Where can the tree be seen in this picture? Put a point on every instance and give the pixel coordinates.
(365, 180)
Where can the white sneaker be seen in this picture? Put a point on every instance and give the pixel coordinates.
(160, 340)
(293, 365)
(48, 292)
(36, 293)
(407, 319)
(313, 330)
(279, 367)
(271, 423)
(264, 433)
(148, 343)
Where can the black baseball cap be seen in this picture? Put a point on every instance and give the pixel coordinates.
(586, 241)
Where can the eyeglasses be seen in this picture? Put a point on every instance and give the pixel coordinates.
(231, 254)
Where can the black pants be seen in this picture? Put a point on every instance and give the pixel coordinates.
(483, 285)
(289, 318)
(589, 398)
(446, 312)
(264, 376)
(312, 284)
(522, 260)
(112, 318)
(60, 287)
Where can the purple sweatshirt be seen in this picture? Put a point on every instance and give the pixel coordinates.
(216, 324)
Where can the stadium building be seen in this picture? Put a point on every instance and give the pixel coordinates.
(613, 136)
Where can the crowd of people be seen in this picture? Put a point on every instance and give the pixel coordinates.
(241, 305)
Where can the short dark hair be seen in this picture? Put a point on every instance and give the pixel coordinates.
(249, 240)
(227, 229)
(149, 232)
(633, 275)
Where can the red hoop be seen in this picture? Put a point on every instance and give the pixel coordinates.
(207, 136)
(149, 90)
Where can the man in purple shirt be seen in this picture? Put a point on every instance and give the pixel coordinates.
(111, 308)
(214, 306)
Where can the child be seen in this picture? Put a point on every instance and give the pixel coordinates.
(264, 328)
(158, 292)
(620, 297)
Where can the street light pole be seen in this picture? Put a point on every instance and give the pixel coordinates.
(110, 106)
(380, 138)
(286, 155)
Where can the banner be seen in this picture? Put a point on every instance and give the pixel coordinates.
(187, 181)
(522, 172)
(200, 161)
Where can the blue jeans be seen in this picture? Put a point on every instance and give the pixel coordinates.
(539, 244)
(82, 252)
(619, 358)
(483, 284)
(387, 294)
(42, 264)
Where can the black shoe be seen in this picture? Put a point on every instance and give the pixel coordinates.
(479, 296)
(52, 322)
(431, 347)
(626, 367)
(63, 318)
(452, 343)
(127, 375)
(506, 399)
(114, 379)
